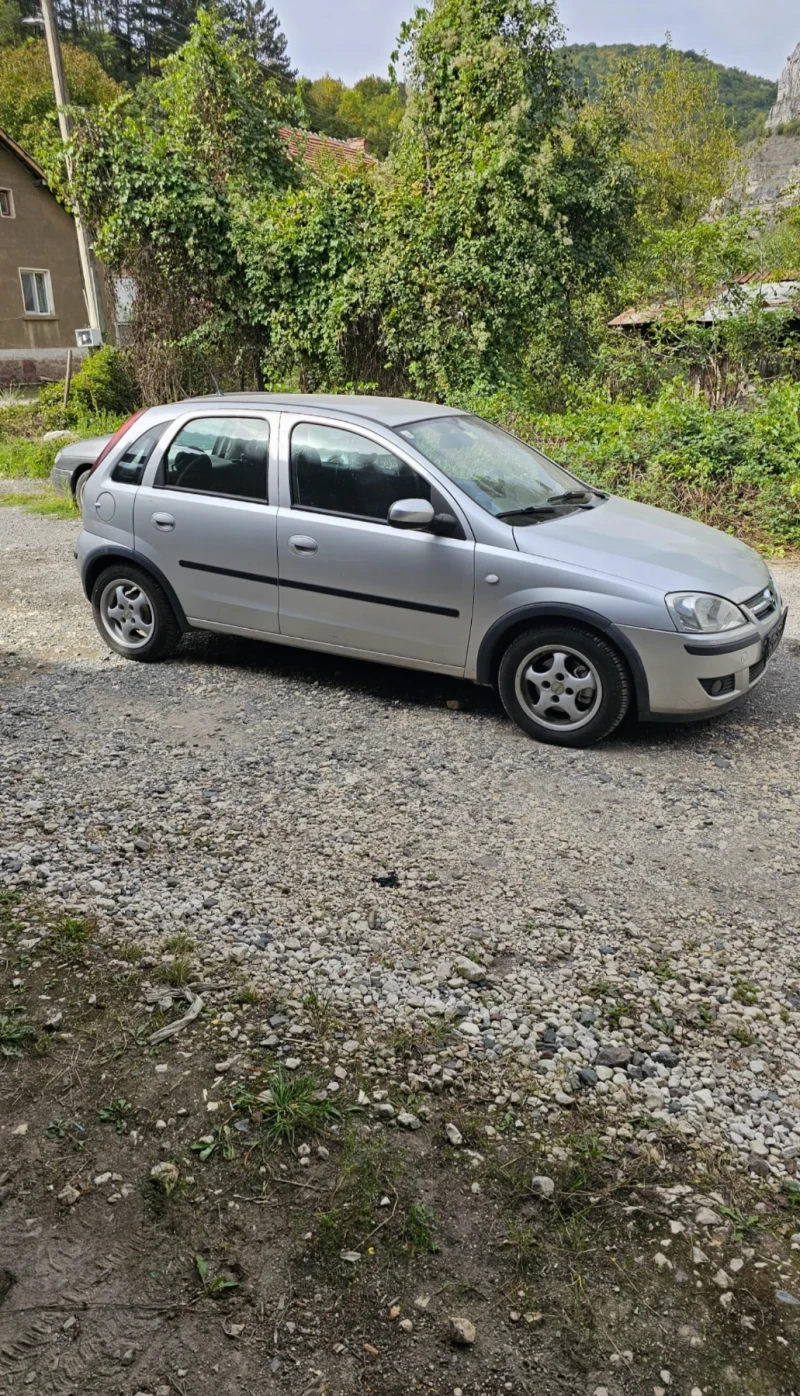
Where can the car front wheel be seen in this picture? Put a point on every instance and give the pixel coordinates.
(133, 615)
(80, 486)
(565, 685)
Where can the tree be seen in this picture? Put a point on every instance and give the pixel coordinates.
(373, 108)
(27, 103)
(681, 144)
(259, 28)
(503, 201)
(159, 181)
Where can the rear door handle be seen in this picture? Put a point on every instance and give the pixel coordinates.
(164, 522)
(301, 543)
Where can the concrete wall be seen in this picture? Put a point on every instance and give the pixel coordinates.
(41, 237)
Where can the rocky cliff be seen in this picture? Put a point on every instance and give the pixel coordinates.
(787, 107)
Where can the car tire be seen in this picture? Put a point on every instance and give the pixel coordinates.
(564, 685)
(133, 615)
(80, 486)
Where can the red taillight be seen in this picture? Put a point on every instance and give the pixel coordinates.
(118, 435)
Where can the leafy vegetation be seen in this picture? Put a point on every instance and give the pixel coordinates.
(479, 262)
(746, 98)
(373, 109)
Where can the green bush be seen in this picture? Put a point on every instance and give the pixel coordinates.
(735, 468)
(27, 460)
(103, 384)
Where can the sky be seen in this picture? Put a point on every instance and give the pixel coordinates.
(349, 38)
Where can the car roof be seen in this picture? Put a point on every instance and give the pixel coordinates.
(387, 411)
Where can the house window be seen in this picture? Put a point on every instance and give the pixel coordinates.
(6, 203)
(37, 295)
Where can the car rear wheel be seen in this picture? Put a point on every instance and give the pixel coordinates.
(80, 486)
(564, 685)
(133, 615)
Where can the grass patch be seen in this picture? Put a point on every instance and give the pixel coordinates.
(116, 1113)
(179, 944)
(27, 460)
(288, 1107)
(177, 974)
(54, 506)
(71, 935)
(15, 1035)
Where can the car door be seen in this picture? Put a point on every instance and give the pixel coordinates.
(204, 516)
(350, 579)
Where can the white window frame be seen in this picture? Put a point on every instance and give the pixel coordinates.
(9, 193)
(37, 271)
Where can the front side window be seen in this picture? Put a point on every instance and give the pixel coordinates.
(220, 455)
(129, 469)
(339, 472)
(36, 294)
(6, 203)
(498, 471)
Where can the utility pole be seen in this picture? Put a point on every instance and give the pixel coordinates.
(65, 127)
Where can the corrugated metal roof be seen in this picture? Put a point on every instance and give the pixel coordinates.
(779, 291)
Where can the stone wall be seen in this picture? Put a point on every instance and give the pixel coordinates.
(29, 368)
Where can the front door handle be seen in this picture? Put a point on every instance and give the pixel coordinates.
(163, 522)
(301, 543)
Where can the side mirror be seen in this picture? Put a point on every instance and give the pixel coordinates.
(411, 513)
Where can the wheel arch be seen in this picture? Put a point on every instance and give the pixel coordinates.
(500, 635)
(99, 560)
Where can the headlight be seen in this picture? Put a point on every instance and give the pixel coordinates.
(702, 614)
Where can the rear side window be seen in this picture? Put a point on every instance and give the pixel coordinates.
(220, 455)
(129, 469)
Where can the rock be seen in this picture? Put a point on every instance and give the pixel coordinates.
(736, 1265)
(69, 1195)
(383, 1110)
(614, 1056)
(666, 1057)
(561, 1098)
(722, 1280)
(787, 107)
(662, 1262)
(461, 1331)
(292, 1063)
(351, 1257)
(699, 1257)
(61, 435)
(784, 1297)
(408, 1121)
(587, 1076)
(53, 1023)
(706, 1216)
(406, 1325)
(758, 1165)
(469, 970)
(454, 1135)
(165, 1175)
(422, 1301)
(543, 1187)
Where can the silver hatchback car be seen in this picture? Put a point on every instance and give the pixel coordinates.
(419, 535)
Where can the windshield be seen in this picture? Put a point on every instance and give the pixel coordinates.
(498, 471)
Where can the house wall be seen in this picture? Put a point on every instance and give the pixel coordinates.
(41, 237)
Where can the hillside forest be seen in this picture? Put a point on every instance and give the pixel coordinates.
(520, 193)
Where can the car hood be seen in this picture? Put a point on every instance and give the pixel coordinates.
(86, 450)
(649, 546)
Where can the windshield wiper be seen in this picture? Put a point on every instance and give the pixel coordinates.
(526, 509)
(568, 496)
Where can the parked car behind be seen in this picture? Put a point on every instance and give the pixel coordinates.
(73, 463)
(419, 535)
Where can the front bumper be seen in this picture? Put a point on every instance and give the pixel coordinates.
(61, 478)
(675, 666)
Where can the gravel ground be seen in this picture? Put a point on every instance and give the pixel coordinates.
(612, 928)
